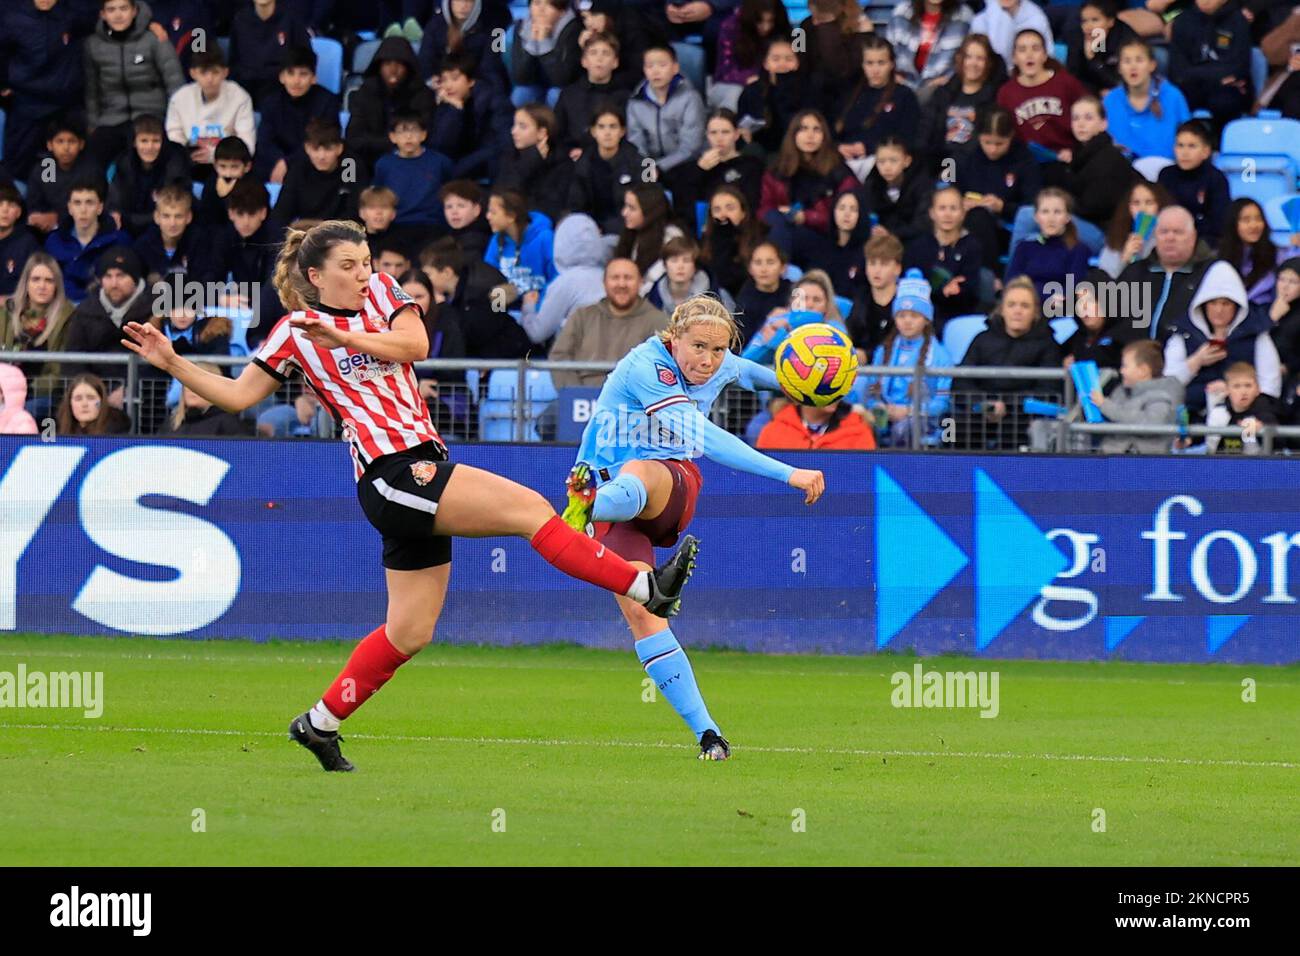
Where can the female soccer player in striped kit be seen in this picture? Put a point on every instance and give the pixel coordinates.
(353, 335)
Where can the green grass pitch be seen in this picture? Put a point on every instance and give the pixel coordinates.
(550, 756)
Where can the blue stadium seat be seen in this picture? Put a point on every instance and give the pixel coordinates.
(1258, 70)
(1063, 328)
(363, 54)
(691, 60)
(960, 331)
(197, 189)
(1280, 212)
(1150, 166)
(274, 190)
(1257, 175)
(796, 10)
(1161, 50)
(344, 116)
(496, 414)
(508, 45)
(792, 272)
(1268, 134)
(701, 214)
(329, 63)
(844, 304)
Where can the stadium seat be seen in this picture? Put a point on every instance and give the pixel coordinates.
(691, 60)
(796, 10)
(273, 189)
(844, 304)
(1257, 176)
(197, 189)
(329, 63)
(1258, 70)
(497, 412)
(344, 116)
(1268, 134)
(363, 54)
(1283, 215)
(508, 46)
(1161, 51)
(1150, 166)
(1060, 51)
(1063, 328)
(960, 331)
(792, 272)
(701, 214)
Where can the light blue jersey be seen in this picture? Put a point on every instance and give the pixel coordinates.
(647, 411)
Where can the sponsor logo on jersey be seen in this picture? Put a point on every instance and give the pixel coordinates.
(666, 375)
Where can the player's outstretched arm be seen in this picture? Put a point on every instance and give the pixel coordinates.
(231, 395)
(757, 378)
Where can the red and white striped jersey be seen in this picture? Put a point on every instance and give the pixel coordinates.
(377, 403)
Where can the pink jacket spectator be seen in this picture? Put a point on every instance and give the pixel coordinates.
(728, 70)
(14, 419)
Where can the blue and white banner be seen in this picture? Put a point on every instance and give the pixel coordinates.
(1168, 559)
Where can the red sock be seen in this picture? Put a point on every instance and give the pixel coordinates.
(582, 557)
(372, 663)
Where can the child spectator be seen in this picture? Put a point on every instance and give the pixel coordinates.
(812, 299)
(1094, 49)
(389, 258)
(665, 116)
(801, 182)
(1241, 404)
(465, 287)
(896, 192)
(578, 101)
(1144, 109)
(877, 105)
(806, 428)
(259, 35)
(1095, 339)
(195, 416)
(840, 253)
(246, 251)
(765, 292)
(35, 319)
(17, 244)
(471, 121)
(79, 242)
(465, 28)
(949, 258)
(85, 410)
(949, 122)
(1195, 183)
(14, 417)
(462, 208)
(1209, 52)
(1285, 315)
(535, 168)
(741, 41)
(645, 231)
(129, 72)
(65, 162)
(1145, 397)
(1124, 245)
(636, 29)
(996, 178)
(321, 184)
(288, 109)
(1246, 244)
(545, 54)
(1039, 95)
(446, 340)
(1219, 330)
(730, 232)
(1003, 20)
(721, 164)
(925, 35)
(202, 113)
(182, 21)
(152, 163)
(414, 173)
(910, 344)
(683, 277)
(1054, 256)
(377, 208)
(769, 105)
(522, 243)
(833, 47)
(1099, 173)
(191, 333)
(605, 171)
(392, 87)
(171, 245)
(232, 162)
(872, 315)
(580, 257)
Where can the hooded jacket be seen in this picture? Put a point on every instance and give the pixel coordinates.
(374, 105)
(670, 133)
(14, 419)
(476, 40)
(1247, 338)
(128, 74)
(845, 431)
(530, 264)
(768, 106)
(1154, 402)
(994, 347)
(580, 255)
(550, 62)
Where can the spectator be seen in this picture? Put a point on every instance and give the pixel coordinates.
(1218, 330)
(801, 182)
(522, 243)
(608, 330)
(833, 427)
(721, 164)
(1145, 397)
(1144, 109)
(1209, 52)
(1283, 92)
(303, 419)
(575, 109)
(65, 162)
(665, 115)
(535, 167)
(414, 172)
(634, 30)
(1094, 49)
(392, 87)
(388, 258)
(840, 253)
(464, 29)
(287, 110)
(322, 180)
(377, 208)
(1124, 245)
(14, 417)
(580, 256)
(259, 36)
(1094, 340)
(876, 105)
(949, 122)
(172, 245)
(769, 105)
(462, 208)
(196, 417)
(471, 121)
(545, 55)
(1246, 244)
(1054, 256)
(191, 332)
(474, 293)
(730, 232)
(1285, 315)
(925, 35)
(645, 230)
(605, 171)
(1039, 95)
(232, 163)
(246, 251)
(997, 179)
(872, 315)
(766, 292)
(96, 325)
(84, 236)
(684, 278)
(129, 72)
(17, 244)
(741, 41)
(202, 113)
(949, 258)
(812, 299)
(446, 340)
(1164, 283)
(35, 319)
(152, 163)
(1242, 404)
(910, 344)
(1194, 182)
(85, 410)
(179, 23)
(1003, 20)
(833, 47)
(896, 193)
(1099, 173)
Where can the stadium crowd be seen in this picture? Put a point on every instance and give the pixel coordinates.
(946, 181)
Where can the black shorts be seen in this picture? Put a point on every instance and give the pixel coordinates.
(399, 494)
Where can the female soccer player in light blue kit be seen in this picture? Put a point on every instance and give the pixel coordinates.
(635, 484)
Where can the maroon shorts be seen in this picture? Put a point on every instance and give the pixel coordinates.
(636, 540)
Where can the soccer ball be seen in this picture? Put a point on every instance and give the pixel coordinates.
(816, 365)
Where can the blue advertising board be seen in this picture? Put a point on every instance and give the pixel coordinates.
(1161, 559)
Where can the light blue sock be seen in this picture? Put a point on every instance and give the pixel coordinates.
(665, 661)
(620, 500)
